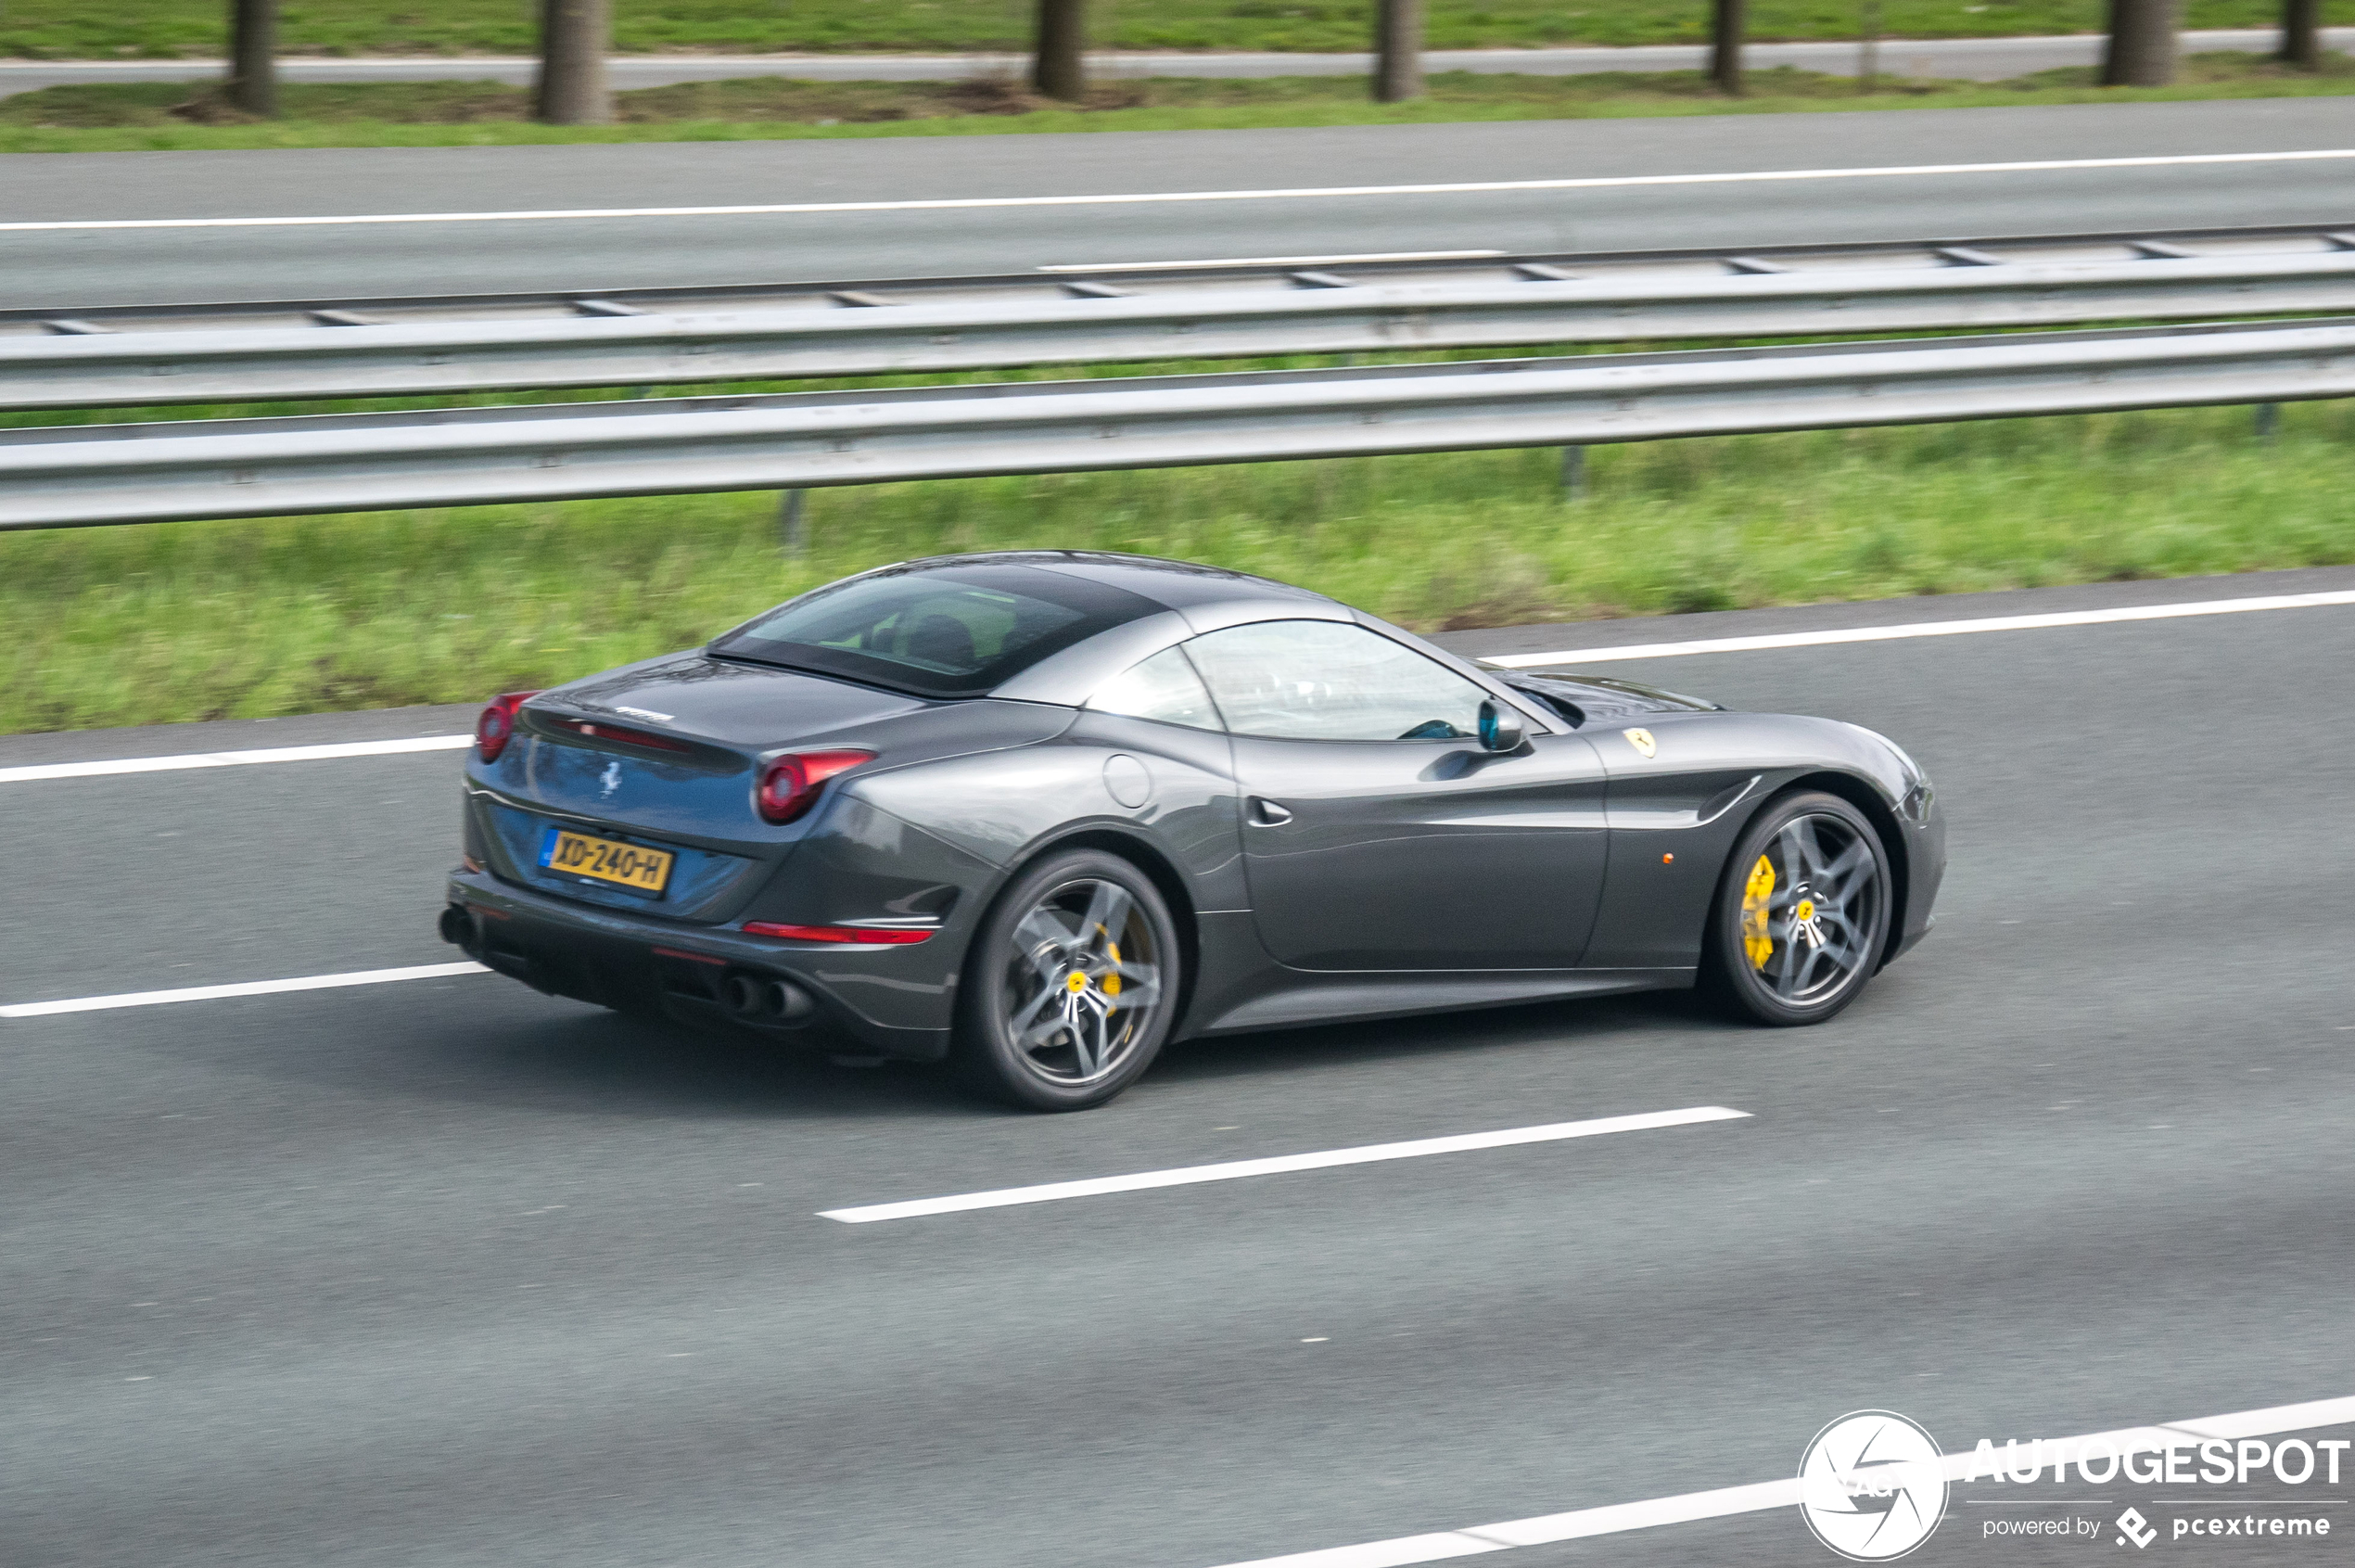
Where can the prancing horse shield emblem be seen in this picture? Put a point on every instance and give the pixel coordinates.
(1642, 741)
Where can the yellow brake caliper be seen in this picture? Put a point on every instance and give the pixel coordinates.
(1756, 894)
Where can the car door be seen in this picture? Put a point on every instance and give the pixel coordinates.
(1378, 833)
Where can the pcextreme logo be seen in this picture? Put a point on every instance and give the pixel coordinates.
(1872, 1485)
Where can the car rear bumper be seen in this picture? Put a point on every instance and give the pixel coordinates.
(894, 1000)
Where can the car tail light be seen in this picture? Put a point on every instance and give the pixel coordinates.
(789, 784)
(887, 936)
(497, 724)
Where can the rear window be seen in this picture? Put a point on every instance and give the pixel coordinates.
(947, 631)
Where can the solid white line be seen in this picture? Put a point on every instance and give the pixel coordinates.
(1268, 261)
(1234, 1170)
(1923, 629)
(1579, 1524)
(246, 988)
(232, 758)
(1505, 661)
(940, 204)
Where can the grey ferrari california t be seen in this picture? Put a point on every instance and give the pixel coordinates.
(1037, 813)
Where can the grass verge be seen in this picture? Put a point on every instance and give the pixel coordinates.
(198, 620)
(74, 29)
(148, 117)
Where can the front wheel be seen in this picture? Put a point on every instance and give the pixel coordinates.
(1801, 914)
(1071, 986)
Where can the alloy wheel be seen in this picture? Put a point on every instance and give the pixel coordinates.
(1083, 983)
(1811, 909)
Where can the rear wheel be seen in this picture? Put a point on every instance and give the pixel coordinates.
(1802, 914)
(1071, 986)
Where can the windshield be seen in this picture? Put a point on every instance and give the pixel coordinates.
(938, 632)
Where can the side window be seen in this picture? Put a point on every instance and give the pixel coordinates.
(1331, 680)
(1162, 687)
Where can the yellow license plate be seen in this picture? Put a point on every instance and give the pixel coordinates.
(606, 860)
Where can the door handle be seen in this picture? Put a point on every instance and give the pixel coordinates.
(1267, 813)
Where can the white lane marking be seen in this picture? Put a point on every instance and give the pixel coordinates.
(1502, 661)
(1925, 629)
(232, 758)
(1235, 1169)
(1300, 193)
(1402, 1551)
(1269, 261)
(243, 988)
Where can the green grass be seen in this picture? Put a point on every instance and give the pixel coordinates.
(197, 621)
(165, 116)
(74, 29)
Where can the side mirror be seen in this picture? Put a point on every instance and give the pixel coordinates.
(1500, 727)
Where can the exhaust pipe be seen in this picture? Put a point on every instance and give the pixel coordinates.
(743, 996)
(756, 999)
(787, 1003)
(457, 926)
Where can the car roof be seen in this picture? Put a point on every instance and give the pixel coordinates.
(1177, 585)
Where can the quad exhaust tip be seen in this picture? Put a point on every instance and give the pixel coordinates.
(457, 928)
(756, 999)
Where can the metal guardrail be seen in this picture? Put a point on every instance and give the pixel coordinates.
(67, 476)
(238, 353)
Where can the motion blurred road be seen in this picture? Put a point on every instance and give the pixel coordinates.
(58, 251)
(446, 1271)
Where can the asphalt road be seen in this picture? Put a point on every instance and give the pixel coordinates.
(64, 268)
(1970, 60)
(449, 1272)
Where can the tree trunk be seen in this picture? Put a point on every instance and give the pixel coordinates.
(1726, 22)
(1059, 69)
(574, 35)
(253, 55)
(2301, 35)
(1398, 50)
(2141, 52)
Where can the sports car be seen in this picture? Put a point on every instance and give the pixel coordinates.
(1036, 814)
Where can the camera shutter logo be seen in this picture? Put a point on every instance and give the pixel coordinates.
(1872, 1485)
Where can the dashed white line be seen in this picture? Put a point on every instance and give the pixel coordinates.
(242, 988)
(1404, 1550)
(1923, 629)
(1302, 193)
(232, 758)
(1233, 1170)
(1269, 261)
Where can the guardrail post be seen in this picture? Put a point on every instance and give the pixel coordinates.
(1574, 473)
(1728, 20)
(2269, 421)
(253, 57)
(1398, 50)
(793, 531)
(1059, 61)
(572, 88)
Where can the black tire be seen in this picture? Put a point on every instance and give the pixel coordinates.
(1049, 1017)
(1802, 912)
